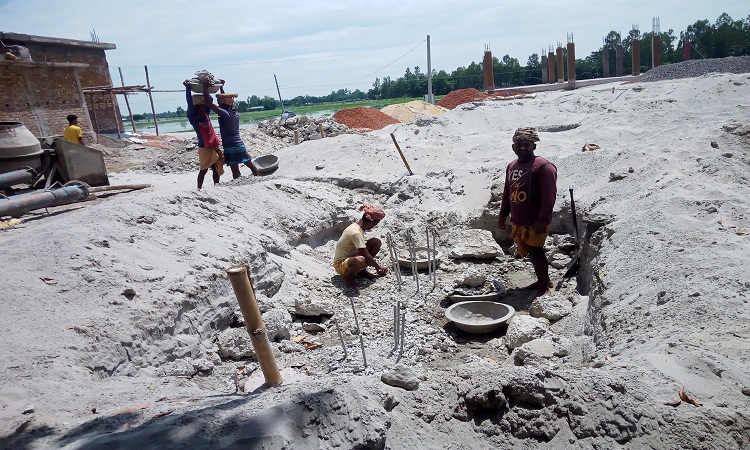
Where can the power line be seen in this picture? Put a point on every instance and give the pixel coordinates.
(390, 63)
(290, 60)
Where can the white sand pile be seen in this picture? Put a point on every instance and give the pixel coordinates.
(119, 327)
(411, 111)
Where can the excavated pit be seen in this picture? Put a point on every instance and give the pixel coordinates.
(191, 331)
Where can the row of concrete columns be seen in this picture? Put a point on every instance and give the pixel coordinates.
(553, 66)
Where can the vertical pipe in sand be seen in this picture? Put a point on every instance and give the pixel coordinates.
(245, 293)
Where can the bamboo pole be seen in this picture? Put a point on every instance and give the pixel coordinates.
(296, 137)
(93, 112)
(244, 290)
(402, 155)
(151, 99)
(130, 112)
(83, 102)
(113, 99)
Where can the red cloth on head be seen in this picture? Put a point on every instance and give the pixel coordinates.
(372, 212)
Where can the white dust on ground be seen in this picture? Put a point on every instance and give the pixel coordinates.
(666, 279)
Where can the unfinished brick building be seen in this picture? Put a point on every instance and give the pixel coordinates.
(41, 93)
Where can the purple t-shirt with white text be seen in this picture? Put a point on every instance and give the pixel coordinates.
(530, 191)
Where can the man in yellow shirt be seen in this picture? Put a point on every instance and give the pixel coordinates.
(353, 254)
(73, 132)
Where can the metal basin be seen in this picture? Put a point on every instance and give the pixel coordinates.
(479, 317)
(422, 261)
(18, 147)
(267, 163)
(198, 88)
(456, 298)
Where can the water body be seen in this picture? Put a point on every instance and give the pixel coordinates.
(184, 126)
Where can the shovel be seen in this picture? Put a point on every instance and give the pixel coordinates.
(575, 263)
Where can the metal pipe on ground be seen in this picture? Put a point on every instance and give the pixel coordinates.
(341, 337)
(244, 290)
(396, 317)
(413, 256)
(359, 332)
(20, 176)
(17, 205)
(393, 252)
(402, 327)
(434, 260)
(429, 253)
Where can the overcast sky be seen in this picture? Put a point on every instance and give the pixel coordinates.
(315, 47)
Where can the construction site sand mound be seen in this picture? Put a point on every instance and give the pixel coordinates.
(411, 111)
(120, 329)
(363, 118)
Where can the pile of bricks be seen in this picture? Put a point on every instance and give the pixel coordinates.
(461, 96)
(364, 118)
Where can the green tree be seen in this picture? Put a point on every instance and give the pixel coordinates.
(269, 103)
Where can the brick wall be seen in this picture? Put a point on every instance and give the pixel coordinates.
(41, 97)
(101, 113)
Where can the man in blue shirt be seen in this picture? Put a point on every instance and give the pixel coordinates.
(235, 152)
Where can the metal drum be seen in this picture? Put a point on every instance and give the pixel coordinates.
(18, 147)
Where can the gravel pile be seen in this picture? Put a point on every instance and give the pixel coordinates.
(698, 67)
(461, 96)
(183, 157)
(308, 129)
(364, 118)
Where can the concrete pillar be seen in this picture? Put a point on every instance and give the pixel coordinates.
(560, 65)
(686, 50)
(489, 77)
(571, 65)
(636, 57)
(551, 67)
(656, 50)
(605, 62)
(545, 70)
(619, 55)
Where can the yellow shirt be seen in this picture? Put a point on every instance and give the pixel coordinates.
(72, 133)
(351, 239)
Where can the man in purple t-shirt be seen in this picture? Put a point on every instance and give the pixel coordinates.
(235, 152)
(529, 196)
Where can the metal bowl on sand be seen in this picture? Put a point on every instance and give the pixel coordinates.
(267, 163)
(479, 317)
(421, 254)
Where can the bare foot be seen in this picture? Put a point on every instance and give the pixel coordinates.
(367, 275)
(542, 291)
(537, 285)
(349, 282)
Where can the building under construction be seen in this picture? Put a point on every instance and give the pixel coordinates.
(64, 77)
